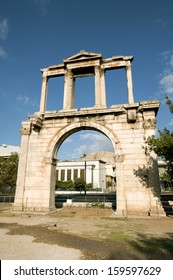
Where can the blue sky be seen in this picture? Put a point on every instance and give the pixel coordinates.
(37, 33)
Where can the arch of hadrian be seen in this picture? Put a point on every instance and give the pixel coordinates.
(126, 125)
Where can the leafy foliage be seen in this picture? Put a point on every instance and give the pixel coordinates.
(65, 185)
(163, 146)
(8, 173)
(169, 103)
(79, 184)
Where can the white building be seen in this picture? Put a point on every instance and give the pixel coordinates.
(110, 166)
(93, 171)
(7, 150)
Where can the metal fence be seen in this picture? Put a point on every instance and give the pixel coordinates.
(6, 198)
(102, 200)
(88, 199)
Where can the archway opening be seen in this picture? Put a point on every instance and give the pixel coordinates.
(87, 155)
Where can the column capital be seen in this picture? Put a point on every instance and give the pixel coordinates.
(26, 128)
(52, 161)
(69, 73)
(25, 131)
(119, 158)
(97, 68)
(128, 66)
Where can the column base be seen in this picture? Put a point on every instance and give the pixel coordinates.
(32, 210)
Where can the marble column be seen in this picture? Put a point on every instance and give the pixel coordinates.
(103, 88)
(97, 87)
(129, 83)
(43, 94)
(68, 91)
(20, 199)
(100, 89)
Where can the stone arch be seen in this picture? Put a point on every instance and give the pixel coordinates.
(126, 125)
(65, 132)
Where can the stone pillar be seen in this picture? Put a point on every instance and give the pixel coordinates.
(103, 88)
(59, 174)
(120, 193)
(19, 202)
(68, 91)
(97, 87)
(100, 90)
(129, 83)
(65, 178)
(48, 200)
(43, 94)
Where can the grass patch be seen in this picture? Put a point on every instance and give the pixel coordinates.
(155, 247)
(118, 236)
(5, 206)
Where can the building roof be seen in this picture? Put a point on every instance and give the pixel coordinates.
(7, 150)
(106, 156)
(80, 160)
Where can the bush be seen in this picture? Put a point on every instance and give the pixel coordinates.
(64, 185)
(79, 184)
(8, 173)
(89, 186)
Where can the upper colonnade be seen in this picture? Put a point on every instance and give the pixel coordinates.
(85, 64)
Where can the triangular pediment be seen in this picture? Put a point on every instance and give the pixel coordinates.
(82, 55)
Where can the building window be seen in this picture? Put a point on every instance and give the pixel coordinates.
(68, 174)
(57, 174)
(62, 175)
(82, 174)
(75, 174)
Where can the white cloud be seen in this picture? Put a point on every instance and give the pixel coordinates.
(92, 136)
(4, 29)
(3, 53)
(23, 98)
(166, 80)
(171, 61)
(79, 151)
(42, 4)
(68, 140)
(26, 100)
(94, 142)
(3, 35)
(171, 122)
(161, 22)
(84, 143)
(167, 83)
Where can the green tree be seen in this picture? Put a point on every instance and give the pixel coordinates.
(169, 102)
(163, 146)
(65, 185)
(8, 173)
(79, 184)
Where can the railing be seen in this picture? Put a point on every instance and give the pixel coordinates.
(6, 198)
(88, 200)
(102, 200)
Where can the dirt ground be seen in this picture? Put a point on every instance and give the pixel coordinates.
(96, 233)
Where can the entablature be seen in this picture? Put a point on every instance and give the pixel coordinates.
(83, 61)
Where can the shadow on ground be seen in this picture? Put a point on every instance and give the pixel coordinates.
(142, 248)
(158, 248)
